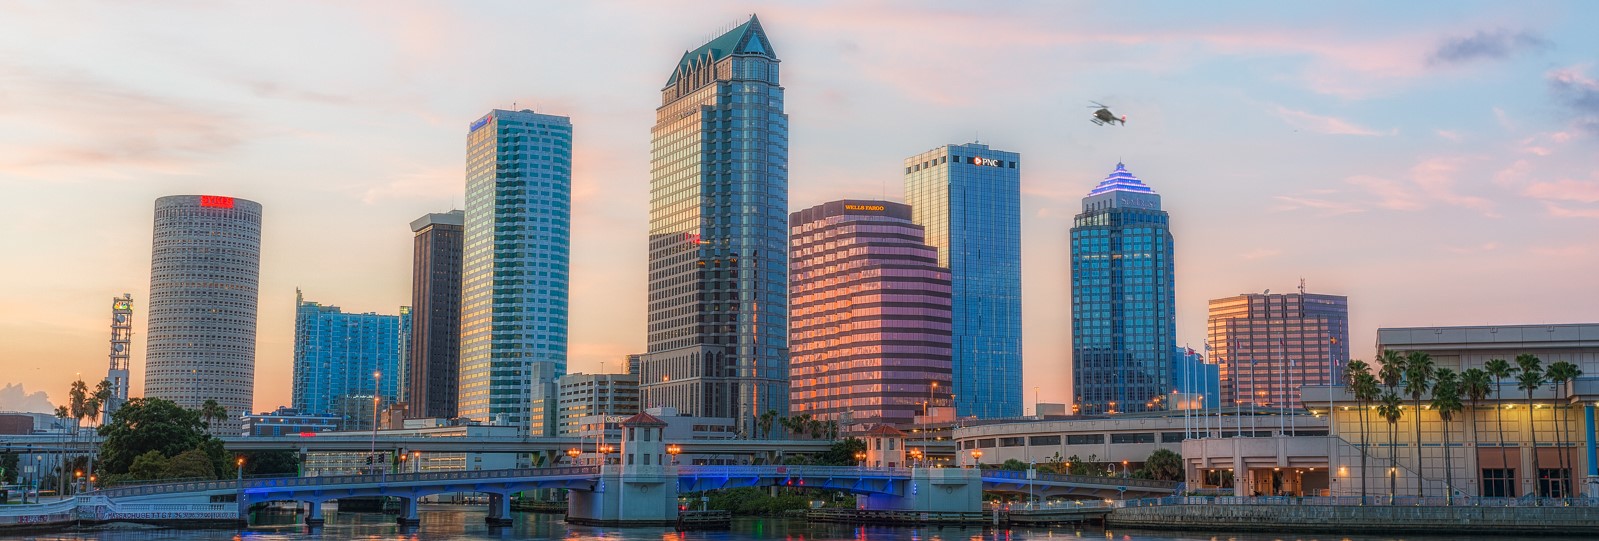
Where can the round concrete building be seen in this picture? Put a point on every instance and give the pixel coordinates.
(204, 280)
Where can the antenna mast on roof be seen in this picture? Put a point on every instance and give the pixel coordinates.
(1301, 285)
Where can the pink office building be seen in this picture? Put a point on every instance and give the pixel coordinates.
(869, 315)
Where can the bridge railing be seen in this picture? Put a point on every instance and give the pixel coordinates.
(1021, 475)
(1371, 501)
(793, 471)
(285, 482)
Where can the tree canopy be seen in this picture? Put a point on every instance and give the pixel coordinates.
(144, 425)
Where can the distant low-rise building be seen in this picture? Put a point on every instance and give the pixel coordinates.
(580, 396)
(286, 421)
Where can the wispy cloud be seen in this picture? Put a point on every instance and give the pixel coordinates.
(1328, 207)
(1449, 134)
(1390, 194)
(1477, 249)
(1570, 250)
(1579, 94)
(1320, 123)
(1560, 211)
(1581, 191)
(1436, 178)
(1486, 45)
(1260, 253)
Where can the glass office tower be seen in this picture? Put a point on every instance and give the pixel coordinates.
(1123, 298)
(1270, 344)
(968, 197)
(870, 338)
(515, 268)
(342, 361)
(718, 294)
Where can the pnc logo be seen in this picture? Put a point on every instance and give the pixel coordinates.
(988, 162)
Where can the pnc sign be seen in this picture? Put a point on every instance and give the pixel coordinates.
(864, 207)
(987, 162)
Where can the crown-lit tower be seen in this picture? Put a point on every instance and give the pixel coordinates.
(121, 342)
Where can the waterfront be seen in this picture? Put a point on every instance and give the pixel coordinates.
(455, 523)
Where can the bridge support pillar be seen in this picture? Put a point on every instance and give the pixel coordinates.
(499, 509)
(408, 514)
(933, 490)
(636, 498)
(314, 516)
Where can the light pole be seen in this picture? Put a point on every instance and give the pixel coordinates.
(977, 458)
(860, 459)
(372, 454)
(1035, 401)
(574, 453)
(674, 450)
(416, 462)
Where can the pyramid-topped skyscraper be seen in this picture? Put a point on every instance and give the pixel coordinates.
(1123, 298)
(718, 249)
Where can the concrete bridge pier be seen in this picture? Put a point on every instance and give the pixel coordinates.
(499, 509)
(640, 492)
(408, 516)
(933, 490)
(314, 516)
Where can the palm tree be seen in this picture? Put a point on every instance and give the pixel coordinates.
(211, 410)
(765, 423)
(1393, 369)
(1476, 385)
(1499, 369)
(77, 398)
(1357, 375)
(1559, 373)
(1530, 380)
(1418, 381)
(1392, 408)
(1446, 401)
(102, 399)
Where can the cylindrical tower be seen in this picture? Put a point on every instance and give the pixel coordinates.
(204, 276)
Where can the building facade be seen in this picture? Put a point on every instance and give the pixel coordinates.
(204, 286)
(1123, 287)
(1268, 345)
(585, 395)
(869, 315)
(342, 361)
(434, 374)
(718, 258)
(515, 268)
(968, 199)
(287, 421)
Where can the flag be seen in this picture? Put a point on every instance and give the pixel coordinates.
(1191, 352)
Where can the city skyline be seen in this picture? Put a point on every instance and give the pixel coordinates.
(1425, 151)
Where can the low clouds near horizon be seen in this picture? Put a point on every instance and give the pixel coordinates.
(13, 397)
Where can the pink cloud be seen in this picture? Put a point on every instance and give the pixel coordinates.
(1566, 212)
(1436, 178)
(1582, 191)
(1390, 194)
(1320, 123)
(1328, 207)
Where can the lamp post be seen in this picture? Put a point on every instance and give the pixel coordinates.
(238, 470)
(416, 462)
(977, 458)
(916, 457)
(605, 451)
(77, 480)
(1124, 468)
(860, 459)
(674, 450)
(574, 453)
(377, 380)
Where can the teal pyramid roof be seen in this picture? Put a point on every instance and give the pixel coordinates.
(747, 38)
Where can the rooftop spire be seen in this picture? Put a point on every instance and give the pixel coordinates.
(1121, 181)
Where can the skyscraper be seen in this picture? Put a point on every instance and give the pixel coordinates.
(870, 310)
(121, 347)
(968, 197)
(342, 361)
(718, 271)
(204, 279)
(515, 269)
(1268, 345)
(1123, 298)
(435, 363)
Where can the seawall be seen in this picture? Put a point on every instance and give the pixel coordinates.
(1575, 521)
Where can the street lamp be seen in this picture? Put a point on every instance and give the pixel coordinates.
(416, 462)
(674, 450)
(1124, 468)
(574, 453)
(77, 481)
(916, 456)
(377, 380)
(860, 458)
(605, 451)
(239, 469)
(977, 458)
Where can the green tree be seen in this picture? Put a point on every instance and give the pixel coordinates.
(148, 466)
(842, 453)
(8, 467)
(764, 423)
(271, 463)
(1531, 378)
(1392, 408)
(1446, 401)
(1163, 464)
(77, 399)
(148, 424)
(1559, 373)
(1418, 381)
(1499, 370)
(1475, 385)
(1357, 375)
(190, 464)
(101, 399)
(1013, 465)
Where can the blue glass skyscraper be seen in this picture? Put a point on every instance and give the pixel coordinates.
(336, 355)
(1123, 298)
(718, 247)
(968, 197)
(515, 268)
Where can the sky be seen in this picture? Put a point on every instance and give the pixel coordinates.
(1433, 161)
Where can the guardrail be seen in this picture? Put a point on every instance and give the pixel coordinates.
(793, 471)
(1354, 501)
(386, 478)
(1082, 479)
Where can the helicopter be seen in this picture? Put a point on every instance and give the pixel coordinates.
(1103, 116)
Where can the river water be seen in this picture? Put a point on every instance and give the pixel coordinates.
(465, 523)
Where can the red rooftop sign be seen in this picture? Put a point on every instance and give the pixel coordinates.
(216, 201)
